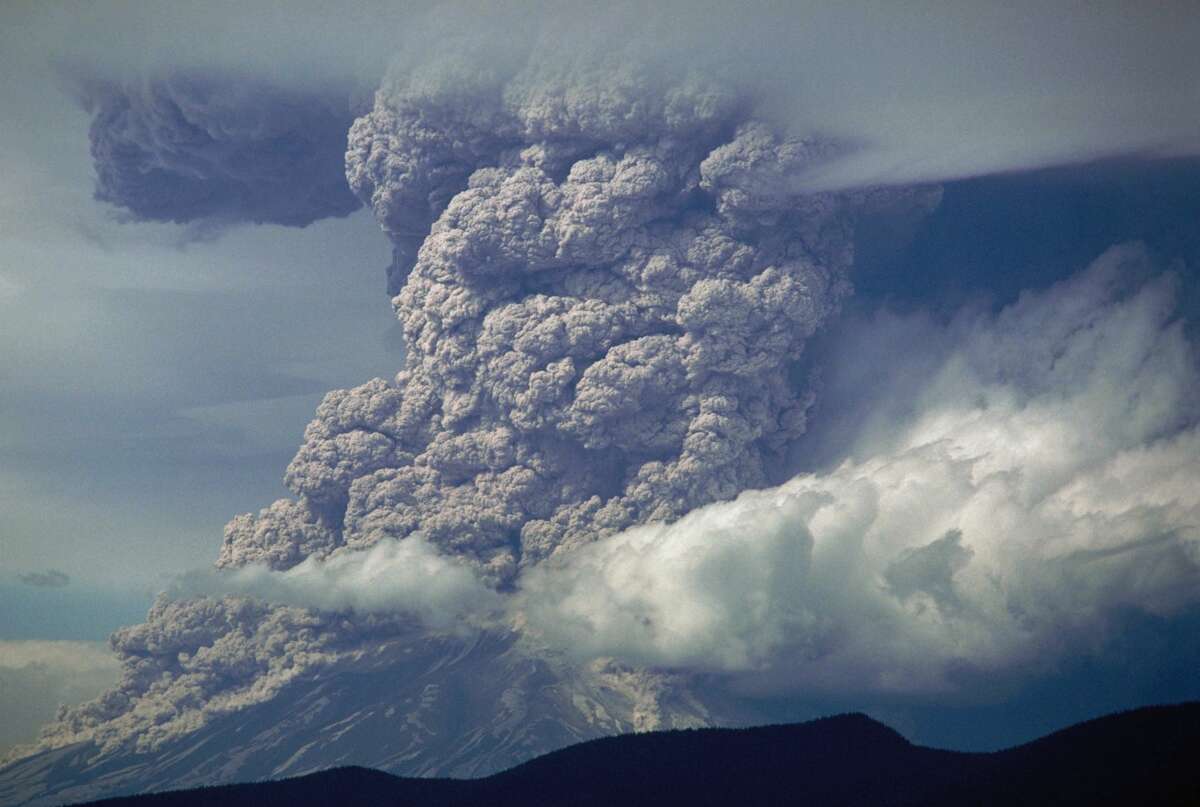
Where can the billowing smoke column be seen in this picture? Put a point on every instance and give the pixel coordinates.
(189, 147)
(604, 277)
(606, 274)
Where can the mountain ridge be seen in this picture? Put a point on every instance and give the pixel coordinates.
(1141, 756)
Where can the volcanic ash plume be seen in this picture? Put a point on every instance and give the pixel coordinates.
(606, 275)
(604, 278)
(190, 147)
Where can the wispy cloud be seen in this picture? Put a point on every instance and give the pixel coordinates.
(51, 578)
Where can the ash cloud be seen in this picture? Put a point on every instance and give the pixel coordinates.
(955, 90)
(51, 578)
(198, 658)
(616, 274)
(218, 149)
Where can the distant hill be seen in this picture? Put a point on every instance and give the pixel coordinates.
(1143, 757)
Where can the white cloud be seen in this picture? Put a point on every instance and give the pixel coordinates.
(1044, 477)
(409, 576)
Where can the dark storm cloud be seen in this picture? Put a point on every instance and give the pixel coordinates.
(187, 147)
(51, 578)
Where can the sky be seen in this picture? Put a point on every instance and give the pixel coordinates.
(142, 358)
(158, 375)
(156, 379)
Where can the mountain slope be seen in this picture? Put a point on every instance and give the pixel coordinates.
(413, 709)
(1142, 757)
